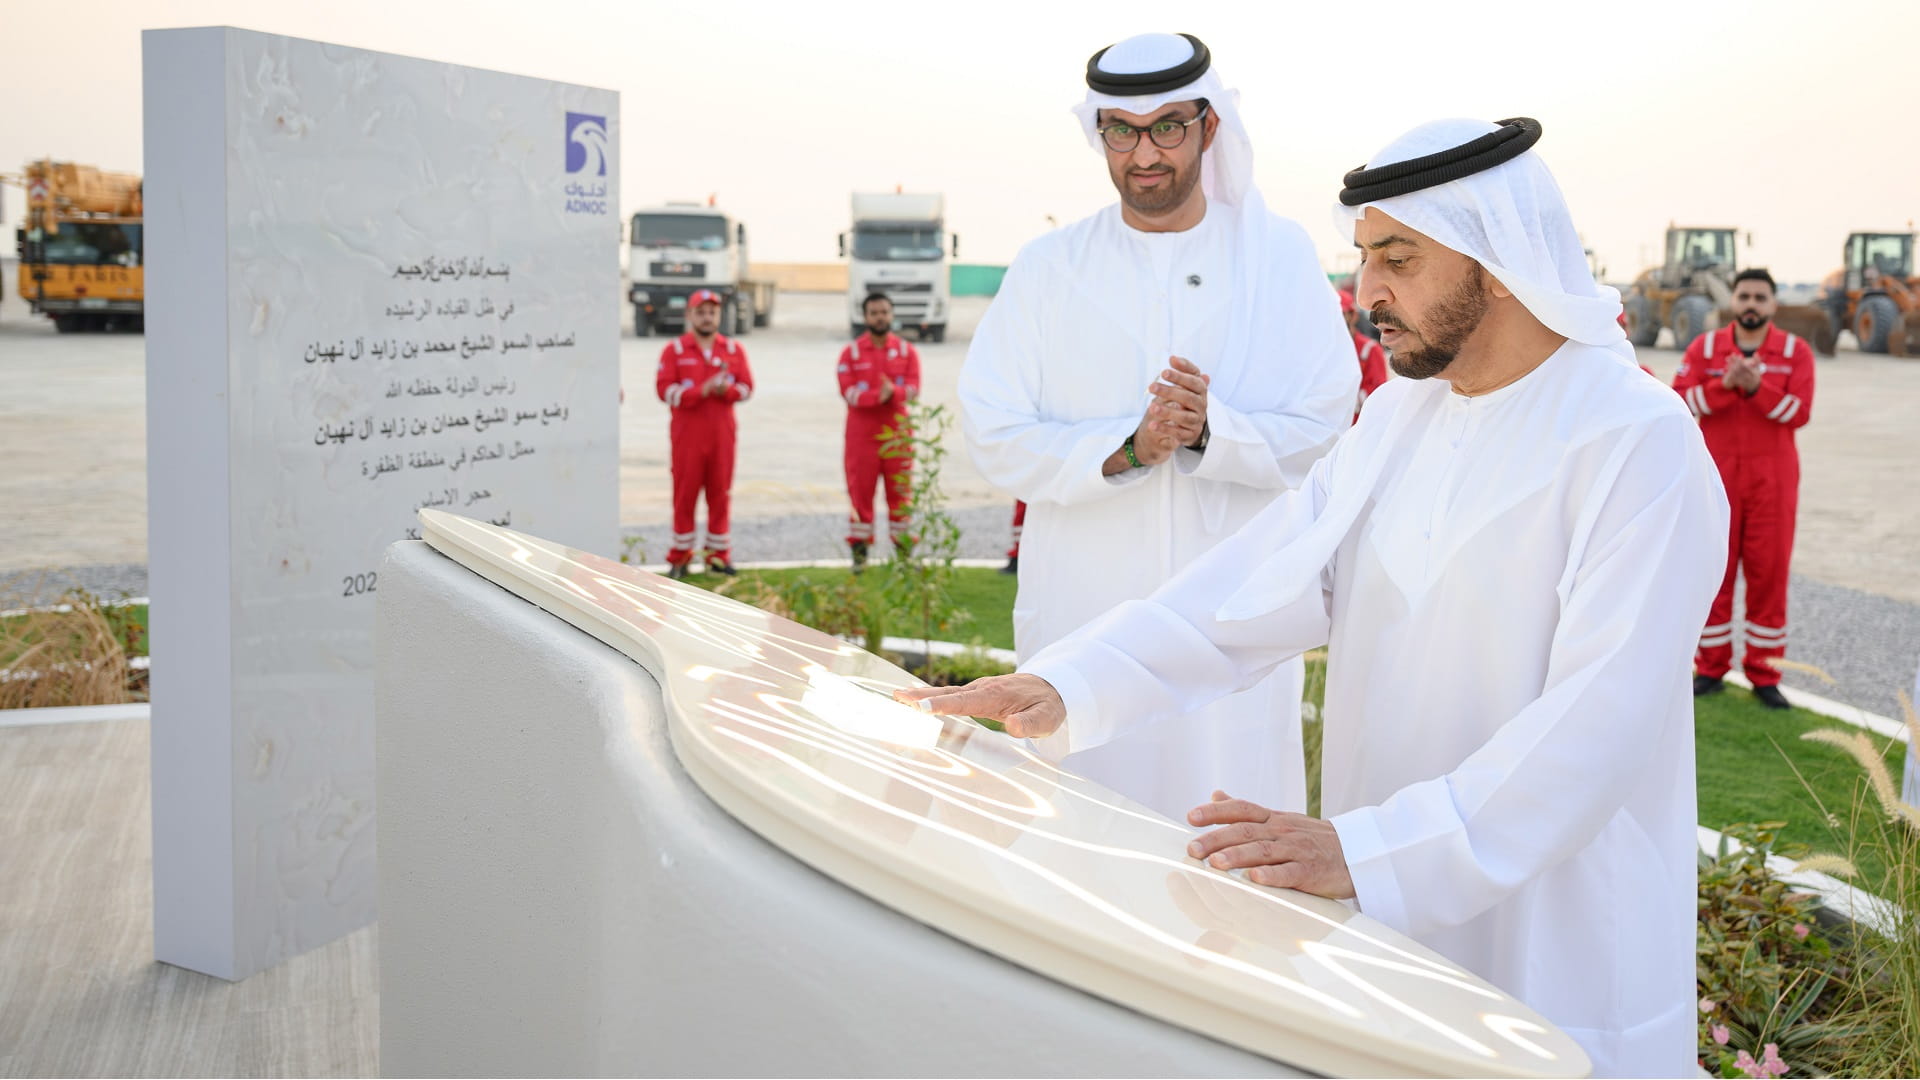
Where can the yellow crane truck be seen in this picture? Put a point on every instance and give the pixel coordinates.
(80, 247)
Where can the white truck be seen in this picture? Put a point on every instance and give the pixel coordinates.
(683, 246)
(899, 246)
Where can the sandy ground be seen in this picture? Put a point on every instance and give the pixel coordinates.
(73, 435)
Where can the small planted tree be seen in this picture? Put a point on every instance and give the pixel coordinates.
(917, 588)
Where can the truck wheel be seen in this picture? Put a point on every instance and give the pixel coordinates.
(743, 325)
(762, 318)
(1874, 321)
(1643, 327)
(642, 326)
(66, 324)
(940, 333)
(729, 323)
(1691, 317)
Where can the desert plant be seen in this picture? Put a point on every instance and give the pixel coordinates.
(972, 663)
(633, 549)
(832, 603)
(74, 652)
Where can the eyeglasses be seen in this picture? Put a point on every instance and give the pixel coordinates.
(1166, 134)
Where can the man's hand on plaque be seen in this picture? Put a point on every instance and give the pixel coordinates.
(1288, 851)
(1026, 705)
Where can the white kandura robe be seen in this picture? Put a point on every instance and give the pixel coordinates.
(1057, 378)
(1511, 587)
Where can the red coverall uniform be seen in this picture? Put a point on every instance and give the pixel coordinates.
(1751, 439)
(864, 367)
(1019, 523)
(703, 437)
(1373, 368)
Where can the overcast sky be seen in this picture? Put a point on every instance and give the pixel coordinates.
(1780, 118)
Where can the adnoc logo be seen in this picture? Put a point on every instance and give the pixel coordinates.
(586, 144)
(586, 157)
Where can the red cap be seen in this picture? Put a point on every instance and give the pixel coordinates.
(1346, 300)
(702, 296)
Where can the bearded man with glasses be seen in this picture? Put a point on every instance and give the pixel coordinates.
(1148, 380)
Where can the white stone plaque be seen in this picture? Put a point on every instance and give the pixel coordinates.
(377, 284)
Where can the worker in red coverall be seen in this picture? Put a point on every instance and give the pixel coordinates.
(1013, 553)
(1373, 359)
(879, 377)
(703, 375)
(1751, 385)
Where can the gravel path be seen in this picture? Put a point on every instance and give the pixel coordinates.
(1870, 644)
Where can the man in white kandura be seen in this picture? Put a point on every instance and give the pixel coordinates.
(1508, 559)
(1128, 477)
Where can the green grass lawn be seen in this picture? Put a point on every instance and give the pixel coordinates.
(1752, 765)
(986, 594)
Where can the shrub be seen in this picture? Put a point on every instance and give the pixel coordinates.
(72, 653)
(1770, 983)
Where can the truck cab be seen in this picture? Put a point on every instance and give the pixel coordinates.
(81, 247)
(898, 245)
(682, 247)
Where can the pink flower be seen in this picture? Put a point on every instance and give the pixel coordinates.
(1706, 1005)
(1721, 1035)
(1770, 1062)
(1745, 1063)
(1801, 930)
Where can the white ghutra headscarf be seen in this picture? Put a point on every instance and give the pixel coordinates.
(1513, 220)
(1226, 169)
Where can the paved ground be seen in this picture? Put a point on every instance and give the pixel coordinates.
(80, 992)
(73, 494)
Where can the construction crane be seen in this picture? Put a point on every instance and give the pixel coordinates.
(81, 247)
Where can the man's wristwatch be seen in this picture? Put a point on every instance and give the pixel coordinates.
(1199, 446)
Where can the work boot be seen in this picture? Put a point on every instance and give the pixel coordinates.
(1707, 684)
(1771, 697)
(1013, 565)
(720, 564)
(677, 571)
(859, 556)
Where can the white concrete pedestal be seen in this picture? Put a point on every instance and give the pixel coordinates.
(557, 896)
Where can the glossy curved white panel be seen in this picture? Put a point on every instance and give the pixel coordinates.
(794, 733)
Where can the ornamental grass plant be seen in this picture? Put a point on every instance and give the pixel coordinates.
(1790, 986)
(72, 652)
(1881, 994)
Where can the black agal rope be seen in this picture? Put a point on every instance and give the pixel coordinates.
(1515, 137)
(1150, 82)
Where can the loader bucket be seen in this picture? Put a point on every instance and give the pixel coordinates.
(1809, 322)
(1905, 341)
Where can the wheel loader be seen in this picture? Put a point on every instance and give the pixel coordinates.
(1692, 293)
(1876, 295)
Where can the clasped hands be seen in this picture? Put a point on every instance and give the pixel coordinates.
(1177, 416)
(1742, 374)
(1289, 851)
